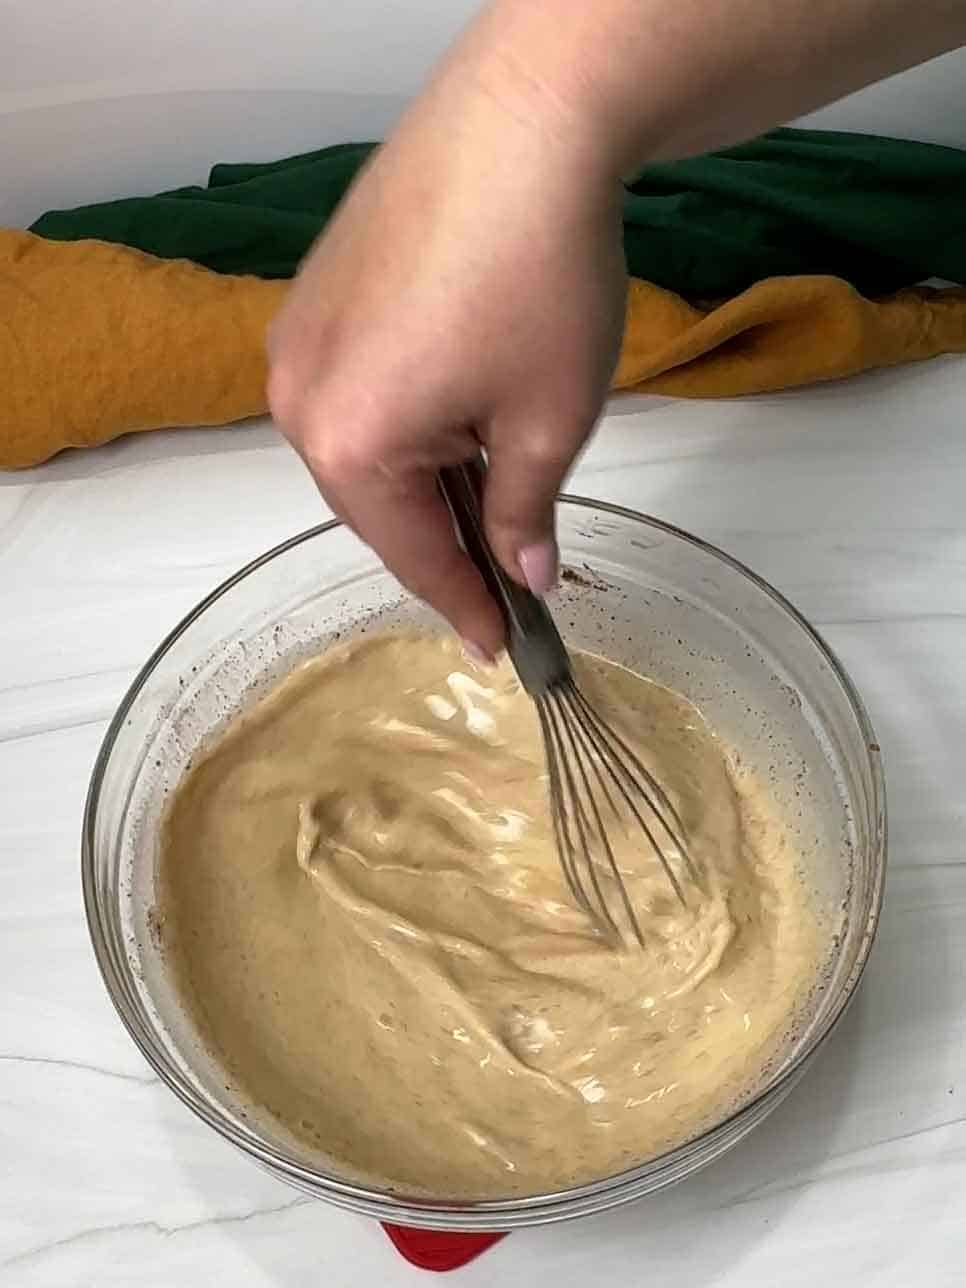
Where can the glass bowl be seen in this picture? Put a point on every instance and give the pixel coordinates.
(635, 591)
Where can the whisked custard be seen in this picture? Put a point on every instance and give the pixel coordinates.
(362, 907)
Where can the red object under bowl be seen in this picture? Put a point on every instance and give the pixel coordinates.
(438, 1249)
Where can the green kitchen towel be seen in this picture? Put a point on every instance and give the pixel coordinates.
(258, 219)
(880, 213)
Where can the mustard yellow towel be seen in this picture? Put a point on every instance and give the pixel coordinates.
(97, 340)
(782, 332)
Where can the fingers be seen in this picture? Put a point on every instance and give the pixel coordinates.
(395, 508)
(527, 466)
(408, 525)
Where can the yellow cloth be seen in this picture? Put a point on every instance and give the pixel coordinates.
(97, 340)
(782, 332)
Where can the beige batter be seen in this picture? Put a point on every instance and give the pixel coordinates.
(360, 898)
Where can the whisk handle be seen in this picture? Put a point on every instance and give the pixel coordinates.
(533, 641)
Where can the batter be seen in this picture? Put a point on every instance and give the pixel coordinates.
(360, 898)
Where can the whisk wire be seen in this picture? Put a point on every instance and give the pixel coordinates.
(628, 785)
(557, 809)
(586, 757)
(583, 755)
(660, 803)
(580, 815)
(571, 813)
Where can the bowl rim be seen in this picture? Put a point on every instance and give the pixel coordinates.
(491, 1213)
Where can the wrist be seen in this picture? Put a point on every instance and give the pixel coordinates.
(529, 68)
(577, 69)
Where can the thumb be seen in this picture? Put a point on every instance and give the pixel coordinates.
(527, 467)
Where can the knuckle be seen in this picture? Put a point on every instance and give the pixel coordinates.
(339, 454)
(328, 460)
(549, 447)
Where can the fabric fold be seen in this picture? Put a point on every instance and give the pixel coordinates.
(879, 213)
(98, 340)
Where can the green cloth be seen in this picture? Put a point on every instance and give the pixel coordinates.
(881, 213)
(257, 219)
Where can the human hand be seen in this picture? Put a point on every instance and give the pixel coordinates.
(469, 291)
(471, 288)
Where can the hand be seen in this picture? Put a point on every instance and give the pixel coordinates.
(469, 291)
(471, 288)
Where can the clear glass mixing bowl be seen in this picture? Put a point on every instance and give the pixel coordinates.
(636, 591)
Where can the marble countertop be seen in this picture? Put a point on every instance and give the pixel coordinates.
(852, 500)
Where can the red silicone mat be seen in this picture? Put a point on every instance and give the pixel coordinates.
(438, 1249)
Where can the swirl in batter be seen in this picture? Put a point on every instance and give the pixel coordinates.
(361, 902)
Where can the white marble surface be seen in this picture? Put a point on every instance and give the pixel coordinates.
(852, 499)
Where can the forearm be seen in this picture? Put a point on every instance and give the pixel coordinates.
(499, 192)
(645, 80)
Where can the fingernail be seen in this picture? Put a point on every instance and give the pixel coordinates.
(538, 564)
(477, 654)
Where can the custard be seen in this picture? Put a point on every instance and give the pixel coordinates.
(365, 916)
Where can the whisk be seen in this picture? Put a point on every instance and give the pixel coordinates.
(590, 768)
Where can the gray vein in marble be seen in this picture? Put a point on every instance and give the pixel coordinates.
(155, 1227)
(922, 865)
(14, 525)
(889, 619)
(144, 1079)
(769, 1190)
(38, 728)
(96, 674)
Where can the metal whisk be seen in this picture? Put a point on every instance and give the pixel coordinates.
(591, 769)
